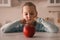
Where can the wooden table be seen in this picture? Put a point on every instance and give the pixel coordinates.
(37, 36)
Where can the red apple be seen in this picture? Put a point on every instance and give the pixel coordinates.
(29, 30)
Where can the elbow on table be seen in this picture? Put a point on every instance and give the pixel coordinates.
(4, 30)
(54, 30)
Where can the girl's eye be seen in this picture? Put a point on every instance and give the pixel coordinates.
(26, 14)
(31, 14)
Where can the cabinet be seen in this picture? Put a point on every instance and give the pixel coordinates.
(5, 3)
(53, 2)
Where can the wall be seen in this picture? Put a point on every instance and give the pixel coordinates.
(14, 12)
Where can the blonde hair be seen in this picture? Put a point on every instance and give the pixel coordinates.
(29, 4)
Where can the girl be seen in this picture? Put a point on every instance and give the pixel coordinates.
(29, 16)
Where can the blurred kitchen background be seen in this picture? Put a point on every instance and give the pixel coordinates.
(11, 10)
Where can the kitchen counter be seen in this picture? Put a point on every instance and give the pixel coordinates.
(37, 36)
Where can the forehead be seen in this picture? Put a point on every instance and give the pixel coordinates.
(28, 8)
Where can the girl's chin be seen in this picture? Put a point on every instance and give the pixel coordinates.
(28, 19)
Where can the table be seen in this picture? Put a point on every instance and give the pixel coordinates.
(37, 36)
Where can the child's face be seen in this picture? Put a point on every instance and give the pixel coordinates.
(29, 13)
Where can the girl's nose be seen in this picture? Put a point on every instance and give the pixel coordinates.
(29, 16)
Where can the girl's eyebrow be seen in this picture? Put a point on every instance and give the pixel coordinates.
(25, 12)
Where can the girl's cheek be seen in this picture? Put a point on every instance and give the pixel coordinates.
(26, 18)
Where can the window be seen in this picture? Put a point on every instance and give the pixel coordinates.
(51, 1)
(54, 2)
(5, 3)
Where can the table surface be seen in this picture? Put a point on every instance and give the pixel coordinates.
(37, 36)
